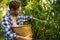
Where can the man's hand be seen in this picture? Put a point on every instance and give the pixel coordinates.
(24, 38)
(28, 37)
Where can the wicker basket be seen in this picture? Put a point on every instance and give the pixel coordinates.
(23, 30)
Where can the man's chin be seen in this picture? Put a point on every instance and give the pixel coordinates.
(16, 14)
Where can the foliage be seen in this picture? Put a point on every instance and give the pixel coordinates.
(44, 10)
(48, 10)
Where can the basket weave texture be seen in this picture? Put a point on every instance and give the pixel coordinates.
(23, 30)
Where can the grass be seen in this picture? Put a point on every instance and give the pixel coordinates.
(1, 38)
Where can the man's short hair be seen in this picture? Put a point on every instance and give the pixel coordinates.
(14, 4)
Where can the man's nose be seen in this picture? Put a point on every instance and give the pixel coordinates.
(15, 11)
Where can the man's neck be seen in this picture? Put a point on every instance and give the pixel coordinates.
(13, 15)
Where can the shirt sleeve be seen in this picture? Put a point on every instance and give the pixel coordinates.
(6, 28)
(28, 18)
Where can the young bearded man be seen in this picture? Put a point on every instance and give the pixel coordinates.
(14, 17)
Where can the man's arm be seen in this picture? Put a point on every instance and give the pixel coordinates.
(25, 38)
(30, 17)
(39, 20)
(35, 19)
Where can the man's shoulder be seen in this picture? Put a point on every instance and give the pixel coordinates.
(6, 15)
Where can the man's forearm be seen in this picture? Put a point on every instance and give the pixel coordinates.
(19, 37)
(35, 19)
(24, 38)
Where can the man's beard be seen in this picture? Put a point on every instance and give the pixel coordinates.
(15, 14)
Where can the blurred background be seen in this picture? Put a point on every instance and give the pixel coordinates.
(48, 10)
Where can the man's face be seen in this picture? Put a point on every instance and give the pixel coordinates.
(15, 12)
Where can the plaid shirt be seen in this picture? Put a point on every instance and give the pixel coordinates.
(7, 22)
